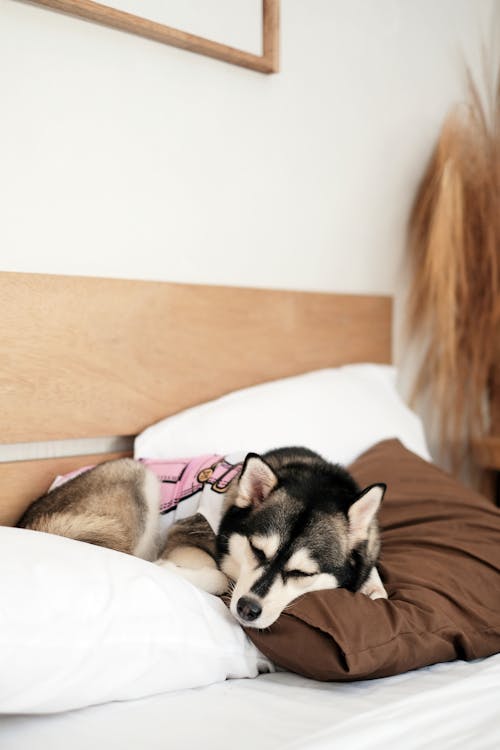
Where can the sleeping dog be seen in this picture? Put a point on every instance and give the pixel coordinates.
(268, 529)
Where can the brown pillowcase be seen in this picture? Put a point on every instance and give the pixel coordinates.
(440, 564)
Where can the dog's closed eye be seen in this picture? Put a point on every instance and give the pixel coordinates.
(258, 553)
(298, 574)
(264, 547)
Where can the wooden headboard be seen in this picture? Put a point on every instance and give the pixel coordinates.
(89, 357)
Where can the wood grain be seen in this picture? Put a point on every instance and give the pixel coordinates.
(22, 482)
(88, 357)
(108, 16)
(271, 34)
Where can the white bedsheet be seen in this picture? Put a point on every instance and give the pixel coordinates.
(454, 705)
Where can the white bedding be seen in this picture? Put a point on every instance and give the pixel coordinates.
(455, 705)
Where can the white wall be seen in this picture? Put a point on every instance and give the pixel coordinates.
(123, 157)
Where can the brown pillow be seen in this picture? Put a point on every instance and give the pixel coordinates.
(440, 564)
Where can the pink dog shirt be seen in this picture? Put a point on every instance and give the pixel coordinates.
(187, 485)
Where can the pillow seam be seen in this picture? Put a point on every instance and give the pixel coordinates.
(489, 630)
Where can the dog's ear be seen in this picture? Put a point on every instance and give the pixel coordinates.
(363, 511)
(257, 480)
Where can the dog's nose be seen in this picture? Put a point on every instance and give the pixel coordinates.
(248, 609)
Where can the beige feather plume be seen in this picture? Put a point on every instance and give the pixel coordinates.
(454, 250)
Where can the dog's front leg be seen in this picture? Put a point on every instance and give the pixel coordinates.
(190, 552)
(373, 586)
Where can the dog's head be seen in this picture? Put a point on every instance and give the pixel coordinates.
(294, 523)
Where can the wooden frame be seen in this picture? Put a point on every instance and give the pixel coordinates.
(268, 62)
(87, 357)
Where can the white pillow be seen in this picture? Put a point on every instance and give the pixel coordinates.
(81, 625)
(338, 412)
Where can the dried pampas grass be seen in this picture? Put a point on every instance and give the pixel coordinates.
(454, 251)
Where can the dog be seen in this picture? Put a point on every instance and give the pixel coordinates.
(289, 523)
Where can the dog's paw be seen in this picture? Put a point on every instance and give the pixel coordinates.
(209, 579)
(379, 593)
(373, 586)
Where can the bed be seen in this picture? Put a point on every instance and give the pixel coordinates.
(90, 363)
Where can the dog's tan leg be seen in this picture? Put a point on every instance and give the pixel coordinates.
(113, 505)
(373, 586)
(196, 566)
(190, 552)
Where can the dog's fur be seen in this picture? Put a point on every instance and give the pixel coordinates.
(291, 523)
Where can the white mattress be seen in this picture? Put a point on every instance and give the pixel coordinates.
(454, 705)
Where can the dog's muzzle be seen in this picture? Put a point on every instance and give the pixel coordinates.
(248, 609)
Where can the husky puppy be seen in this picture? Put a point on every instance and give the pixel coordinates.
(295, 523)
(289, 523)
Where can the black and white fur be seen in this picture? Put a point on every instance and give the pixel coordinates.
(295, 523)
